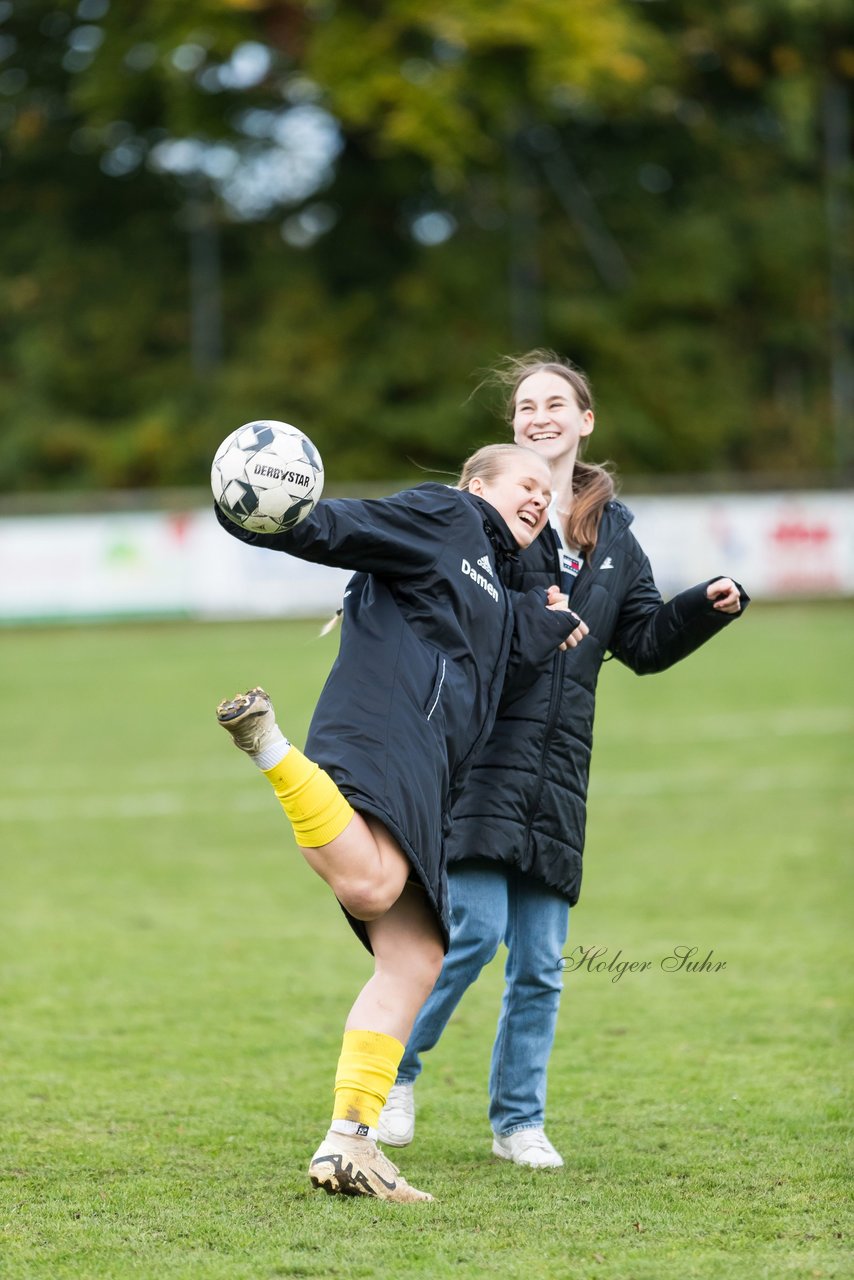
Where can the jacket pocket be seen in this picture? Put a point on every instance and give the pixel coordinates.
(436, 691)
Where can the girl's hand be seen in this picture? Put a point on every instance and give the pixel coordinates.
(555, 599)
(724, 593)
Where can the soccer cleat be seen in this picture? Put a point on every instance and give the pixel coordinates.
(349, 1166)
(250, 719)
(529, 1147)
(396, 1126)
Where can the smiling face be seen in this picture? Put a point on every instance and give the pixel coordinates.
(520, 491)
(548, 418)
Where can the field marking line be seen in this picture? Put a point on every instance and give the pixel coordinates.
(166, 803)
(729, 726)
(796, 722)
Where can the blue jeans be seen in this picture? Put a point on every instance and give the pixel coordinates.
(491, 904)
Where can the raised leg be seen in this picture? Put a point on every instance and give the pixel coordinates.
(356, 856)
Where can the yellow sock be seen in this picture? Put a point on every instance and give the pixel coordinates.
(366, 1071)
(315, 807)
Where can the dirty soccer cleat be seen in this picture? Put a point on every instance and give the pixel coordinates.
(350, 1166)
(396, 1126)
(250, 719)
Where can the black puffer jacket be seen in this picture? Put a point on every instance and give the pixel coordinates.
(429, 634)
(525, 801)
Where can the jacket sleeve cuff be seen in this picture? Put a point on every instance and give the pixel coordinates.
(242, 535)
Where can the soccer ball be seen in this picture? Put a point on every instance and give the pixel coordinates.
(267, 476)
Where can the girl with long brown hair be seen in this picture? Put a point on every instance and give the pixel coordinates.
(517, 836)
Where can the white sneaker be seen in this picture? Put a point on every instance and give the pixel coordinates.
(350, 1166)
(530, 1147)
(250, 719)
(396, 1127)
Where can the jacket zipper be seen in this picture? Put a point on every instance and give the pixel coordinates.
(555, 699)
(551, 721)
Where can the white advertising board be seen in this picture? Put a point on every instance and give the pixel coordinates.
(52, 568)
(778, 545)
(151, 564)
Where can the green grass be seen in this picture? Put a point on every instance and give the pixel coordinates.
(175, 980)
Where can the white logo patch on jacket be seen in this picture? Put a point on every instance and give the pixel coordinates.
(481, 581)
(483, 563)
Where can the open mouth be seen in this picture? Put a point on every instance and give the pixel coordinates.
(528, 518)
(544, 435)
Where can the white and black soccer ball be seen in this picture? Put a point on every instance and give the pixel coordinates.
(267, 476)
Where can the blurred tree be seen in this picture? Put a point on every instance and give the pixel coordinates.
(335, 214)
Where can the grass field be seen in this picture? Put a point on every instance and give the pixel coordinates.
(175, 980)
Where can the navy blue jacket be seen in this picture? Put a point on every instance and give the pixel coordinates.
(525, 802)
(429, 634)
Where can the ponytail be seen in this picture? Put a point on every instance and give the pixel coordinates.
(332, 623)
(592, 488)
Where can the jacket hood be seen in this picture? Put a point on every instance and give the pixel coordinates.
(495, 527)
